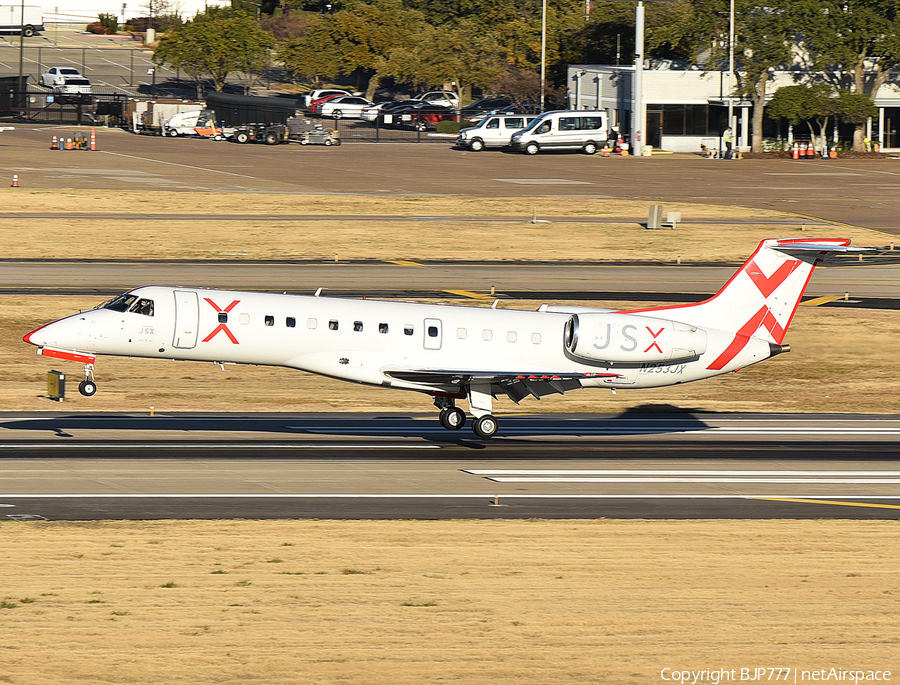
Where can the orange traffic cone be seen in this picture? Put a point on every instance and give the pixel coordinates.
(833, 153)
(795, 154)
(54, 144)
(606, 151)
(802, 150)
(69, 144)
(15, 183)
(93, 139)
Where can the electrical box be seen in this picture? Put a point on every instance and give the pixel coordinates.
(56, 385)
(654, 220)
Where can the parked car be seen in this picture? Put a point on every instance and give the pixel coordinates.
(439, 97)
(372, 112)
(315, 105)
(484, 106)
(310, 97)
(65, 80)
(420, 116)
(494, 131)
(569, 129)
(344, 107)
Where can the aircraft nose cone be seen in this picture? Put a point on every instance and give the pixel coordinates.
(28, 337)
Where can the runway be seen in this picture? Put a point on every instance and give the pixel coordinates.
(74, 467)
(430, 279)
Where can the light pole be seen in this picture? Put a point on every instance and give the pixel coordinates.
(543, 50)
(22, 53)
(637, 84)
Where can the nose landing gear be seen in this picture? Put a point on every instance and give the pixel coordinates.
(88, 387)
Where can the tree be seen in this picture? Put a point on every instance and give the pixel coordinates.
(446, 54)
(854, 43)
(359, 38)
(806, 104)
(216, 42)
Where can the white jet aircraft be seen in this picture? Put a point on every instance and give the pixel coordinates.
(454, 352)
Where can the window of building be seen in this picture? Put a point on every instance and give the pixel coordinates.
(311, 324)
(333, 325)
(383, 328)
(536, 338)
(511, 336)
(461, 333)
(407, 330)
(486, 334)
(357, 326)
(290, 322)
(270, 320)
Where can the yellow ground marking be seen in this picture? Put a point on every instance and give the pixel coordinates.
(826, 501)
(825, 299)
(402, 262)
(470, 294)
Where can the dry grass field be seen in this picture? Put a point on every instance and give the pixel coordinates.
(468, 602)
(251, 238)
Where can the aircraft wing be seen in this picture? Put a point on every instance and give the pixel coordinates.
(516, 385)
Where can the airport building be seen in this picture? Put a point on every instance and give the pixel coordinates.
(687, 107)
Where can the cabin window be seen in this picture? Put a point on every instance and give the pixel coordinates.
(486, 334)
(245, 318)
(382, 328)
(333, 325)
(461, 333)
(290, 322)
(407, 330)
(270, 320)
(223, 317)
(432, 331)
(357, 326)
(311, 324)
(142, 306)
(510, 336)
(536, 338)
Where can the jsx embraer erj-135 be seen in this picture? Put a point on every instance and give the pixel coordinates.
(454, 352)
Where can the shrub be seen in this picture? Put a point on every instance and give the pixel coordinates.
(110, 22)
(97, 28)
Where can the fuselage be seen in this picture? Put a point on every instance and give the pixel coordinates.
(375, 342)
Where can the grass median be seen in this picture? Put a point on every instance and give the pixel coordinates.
(468, 602)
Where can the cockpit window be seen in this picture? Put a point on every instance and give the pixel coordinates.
(142, 306)
(120, 303)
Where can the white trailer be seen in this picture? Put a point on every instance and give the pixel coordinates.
(25, 19)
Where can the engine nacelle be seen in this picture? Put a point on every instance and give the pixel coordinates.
(618, 338)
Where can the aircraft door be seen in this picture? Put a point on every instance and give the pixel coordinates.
(187, 319)
(432, 334)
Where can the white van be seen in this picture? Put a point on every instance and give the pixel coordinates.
(577, 129)
(11, 19)
(494, 130)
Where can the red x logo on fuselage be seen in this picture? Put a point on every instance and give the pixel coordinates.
(655, 336)
(221, 326)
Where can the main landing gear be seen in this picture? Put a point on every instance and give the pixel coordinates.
(88, 387)
(452, 417)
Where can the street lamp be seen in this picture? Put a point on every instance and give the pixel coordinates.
(543, 50)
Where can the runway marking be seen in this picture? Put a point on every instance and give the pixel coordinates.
(825, 299)
(668, 472)
(839, 504)
(675, 479)
(543, 181)
(185, 166)
(210, 446)
(469, 294)
(814, 499)
(403, 262)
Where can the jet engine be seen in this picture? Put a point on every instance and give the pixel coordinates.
(624, 338)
